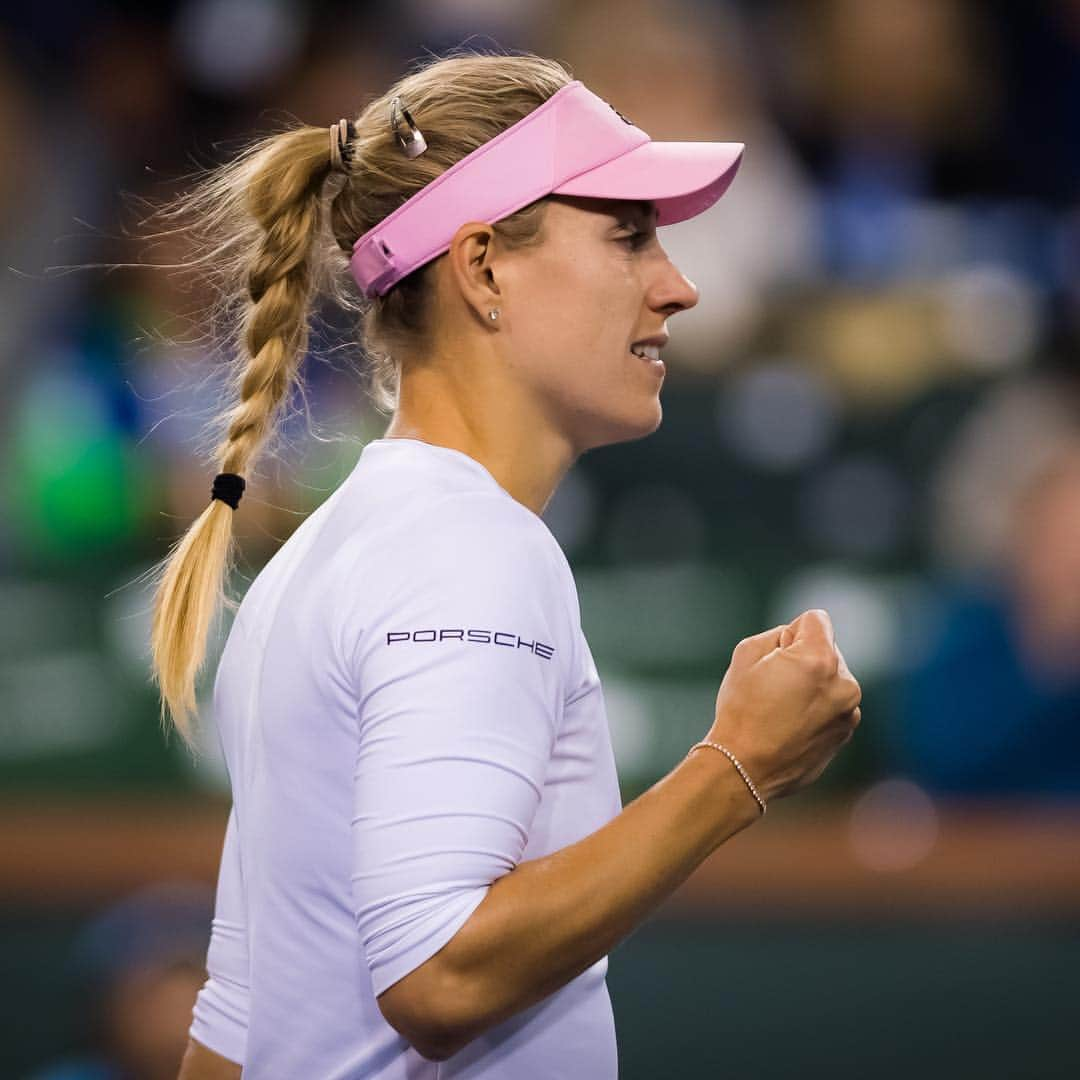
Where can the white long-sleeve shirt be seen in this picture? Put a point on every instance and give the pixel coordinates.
(408, 708)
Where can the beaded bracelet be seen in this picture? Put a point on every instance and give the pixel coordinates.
(735, 762)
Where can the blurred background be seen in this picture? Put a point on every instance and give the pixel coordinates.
(874, 409)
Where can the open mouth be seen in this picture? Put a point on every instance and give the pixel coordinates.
(650, 354)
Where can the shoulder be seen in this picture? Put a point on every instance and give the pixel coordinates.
(469, 555)
(491, 526)
(480, 534)
(485, 512)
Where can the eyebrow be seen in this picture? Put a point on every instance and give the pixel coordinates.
(644, 208)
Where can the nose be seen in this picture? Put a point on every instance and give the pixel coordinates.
(672, 290)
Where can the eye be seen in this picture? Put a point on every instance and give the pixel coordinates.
(635, 239)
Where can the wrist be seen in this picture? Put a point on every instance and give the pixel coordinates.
(737, 765)
(723, 798)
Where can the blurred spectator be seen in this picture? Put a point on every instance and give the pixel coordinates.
(993, 705)
(138, 966)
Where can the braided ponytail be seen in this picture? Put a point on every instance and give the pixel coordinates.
(267, 240)
(268, 207)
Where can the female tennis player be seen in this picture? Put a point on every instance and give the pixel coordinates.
(427, 861)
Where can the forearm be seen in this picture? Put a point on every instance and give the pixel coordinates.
(551, 918)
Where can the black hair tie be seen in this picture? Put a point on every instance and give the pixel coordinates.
(228, 487)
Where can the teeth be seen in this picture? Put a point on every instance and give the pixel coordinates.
(647, 352)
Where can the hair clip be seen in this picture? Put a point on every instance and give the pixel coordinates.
(341, 135)
(415, 144)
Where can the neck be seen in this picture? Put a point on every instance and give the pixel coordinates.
(500, 429)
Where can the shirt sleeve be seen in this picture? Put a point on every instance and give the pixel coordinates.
(459, 678)
(220, 1016)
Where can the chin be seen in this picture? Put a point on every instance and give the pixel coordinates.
(609, 430)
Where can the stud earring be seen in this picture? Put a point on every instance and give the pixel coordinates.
(493, 314)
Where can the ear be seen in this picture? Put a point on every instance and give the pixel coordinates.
(471, 261)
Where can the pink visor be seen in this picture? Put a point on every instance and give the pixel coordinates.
(573, 144)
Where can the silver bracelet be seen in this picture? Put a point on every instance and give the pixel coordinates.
(735, 762)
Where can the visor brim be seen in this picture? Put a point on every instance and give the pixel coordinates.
(683, 179)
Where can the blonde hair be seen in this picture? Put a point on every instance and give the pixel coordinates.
(270, 233)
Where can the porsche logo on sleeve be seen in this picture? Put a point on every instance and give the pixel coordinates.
(475, 637)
